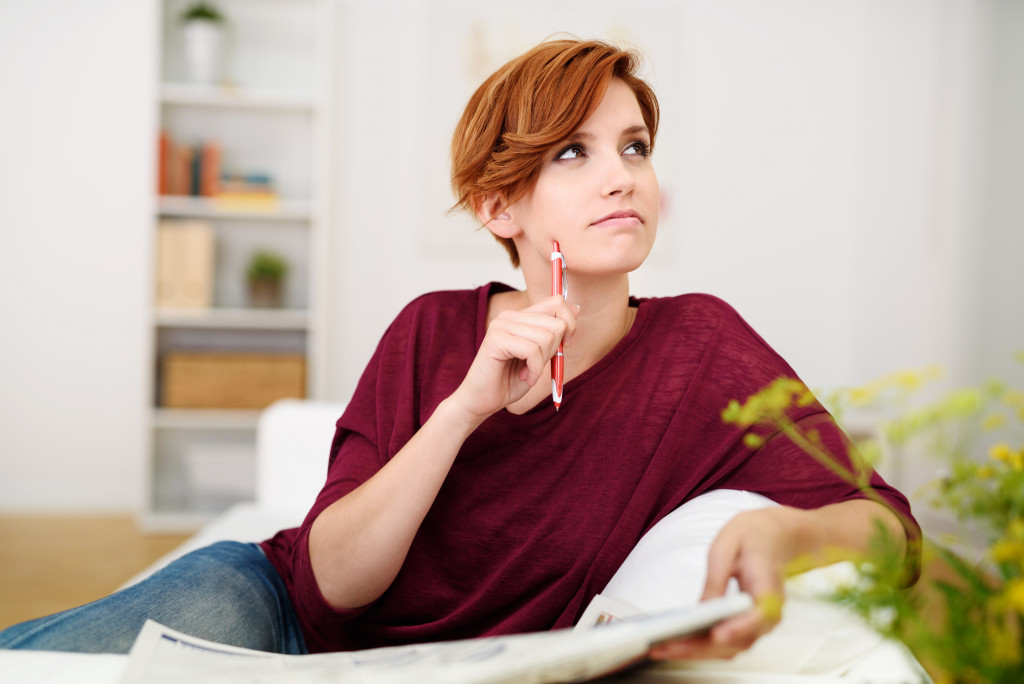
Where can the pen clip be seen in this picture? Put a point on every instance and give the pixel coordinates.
(565, 281)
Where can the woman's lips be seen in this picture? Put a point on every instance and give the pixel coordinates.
(619, 219)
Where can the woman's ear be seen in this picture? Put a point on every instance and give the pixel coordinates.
(494, 215)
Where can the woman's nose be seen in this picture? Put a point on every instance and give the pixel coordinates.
(618, 178)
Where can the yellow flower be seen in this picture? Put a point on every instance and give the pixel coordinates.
(1000, 452)
(1013, 398)
(1016, 528)
(908, 379)
(1007, 551)
(770, 605)
(985, 472)
(769, 405)
(993, 421)
(1016, 460)
(862, 395)
(871, 450)
(1013, 595)
(1003, 646)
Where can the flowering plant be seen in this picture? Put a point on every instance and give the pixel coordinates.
(965, 618)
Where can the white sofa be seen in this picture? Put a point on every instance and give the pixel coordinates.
(816, 642)
(293, 438)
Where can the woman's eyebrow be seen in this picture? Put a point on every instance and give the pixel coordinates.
(582, 136)
(578, 136)
(635, 130)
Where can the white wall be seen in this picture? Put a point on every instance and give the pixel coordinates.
(820, 160)
(836, 171)
(75, 142)
(997, 295)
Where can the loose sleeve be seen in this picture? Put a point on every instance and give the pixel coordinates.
(360, 447)
(738, 364)
(412, 369)
(353, 459)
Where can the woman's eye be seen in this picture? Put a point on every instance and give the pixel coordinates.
(638, 147)
(571, 152)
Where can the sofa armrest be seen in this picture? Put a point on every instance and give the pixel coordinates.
(293, 442)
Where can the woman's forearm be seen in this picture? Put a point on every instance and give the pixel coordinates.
(358, 544)
(843, 530)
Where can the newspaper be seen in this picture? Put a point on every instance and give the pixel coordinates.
(161, 654)
(604, 610)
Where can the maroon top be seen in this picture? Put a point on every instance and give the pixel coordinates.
(539, 510)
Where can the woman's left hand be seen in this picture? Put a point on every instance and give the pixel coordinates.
(755, 548)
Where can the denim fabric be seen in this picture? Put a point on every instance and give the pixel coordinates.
(227, 592)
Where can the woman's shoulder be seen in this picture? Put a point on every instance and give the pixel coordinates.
(707, 317)
(691, 306)
(441, 301)
(447, 309)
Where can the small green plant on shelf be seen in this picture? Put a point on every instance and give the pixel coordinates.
(202, 11)
(266, 273)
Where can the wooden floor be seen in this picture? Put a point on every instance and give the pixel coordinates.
(56, 562)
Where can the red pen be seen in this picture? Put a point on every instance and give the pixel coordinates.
(559, 286)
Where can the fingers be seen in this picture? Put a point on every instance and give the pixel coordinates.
(722, 561)
(740, 632)
(725, 639)
(747, 550)
(692, 648)
(558, 308)
(527, 345)
(515, 354)
(546, 324)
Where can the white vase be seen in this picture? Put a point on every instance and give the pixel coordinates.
(204, 51)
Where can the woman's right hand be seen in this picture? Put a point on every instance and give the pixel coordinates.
(514, 355)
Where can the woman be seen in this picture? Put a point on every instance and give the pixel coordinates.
(458, 502)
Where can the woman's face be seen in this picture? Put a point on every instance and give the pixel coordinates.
(597, 195)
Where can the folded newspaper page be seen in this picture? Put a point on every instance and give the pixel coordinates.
(163, 655)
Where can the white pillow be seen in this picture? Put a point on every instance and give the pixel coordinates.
(668, 566)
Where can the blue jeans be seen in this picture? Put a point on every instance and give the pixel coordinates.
(227, 592)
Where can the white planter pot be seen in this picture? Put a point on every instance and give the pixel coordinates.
(204, 51)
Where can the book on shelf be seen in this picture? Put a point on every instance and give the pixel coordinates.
(246, 192)
(209, 169)
(184, 264)
(197, 170)
(163, 186)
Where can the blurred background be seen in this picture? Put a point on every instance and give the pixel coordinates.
(847, 174)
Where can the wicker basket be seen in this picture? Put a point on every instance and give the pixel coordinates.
(231, 380)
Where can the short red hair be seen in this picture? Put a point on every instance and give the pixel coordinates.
(526, 108)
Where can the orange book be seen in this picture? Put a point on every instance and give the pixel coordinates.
(163, 162)
(185, 159)
(175, 170)
(209, 183)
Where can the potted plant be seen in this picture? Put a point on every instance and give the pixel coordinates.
(964, 620)
(266, 273)
(203, 32)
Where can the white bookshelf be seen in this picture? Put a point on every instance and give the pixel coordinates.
(211, 419)
(235, 319)
(234, 97)
(283, 211)
(269, 114)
